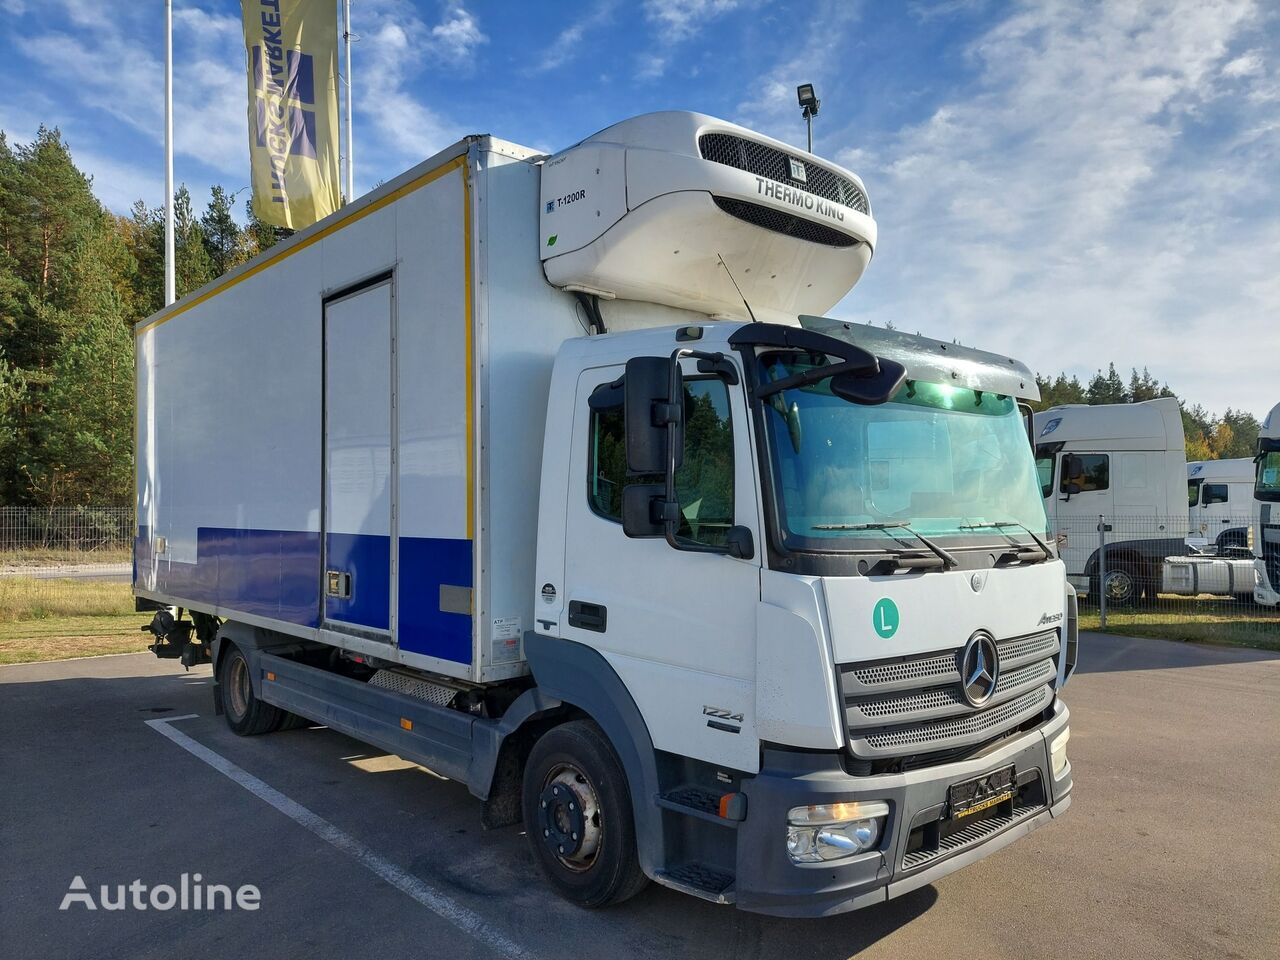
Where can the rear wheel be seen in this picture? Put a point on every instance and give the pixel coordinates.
(578, 817)
(246, 714)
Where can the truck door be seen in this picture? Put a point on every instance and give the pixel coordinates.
(358, 545)
(677, 626)
(1083, 492)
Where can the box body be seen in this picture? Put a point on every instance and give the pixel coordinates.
(338, 439)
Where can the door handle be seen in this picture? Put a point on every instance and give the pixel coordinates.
(588, 616)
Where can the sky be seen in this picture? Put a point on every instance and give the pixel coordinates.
(1069, 183)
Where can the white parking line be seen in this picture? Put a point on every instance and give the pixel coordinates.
(466, 920)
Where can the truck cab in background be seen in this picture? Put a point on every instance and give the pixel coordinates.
(1125, 462)
(1266, 512)
(1219, 505)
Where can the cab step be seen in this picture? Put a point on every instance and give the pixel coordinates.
(700, 880)
(695, 801)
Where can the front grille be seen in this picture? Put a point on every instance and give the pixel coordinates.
(915, 705)
(780, 222)
(774, 164)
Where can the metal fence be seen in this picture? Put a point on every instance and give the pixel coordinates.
(1187, 577)
(82, 532)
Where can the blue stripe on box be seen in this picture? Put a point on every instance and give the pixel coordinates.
(425, 565)
(268, 573)
(368, 559)
(277, 574)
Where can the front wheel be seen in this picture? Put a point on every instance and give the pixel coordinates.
(578, 817)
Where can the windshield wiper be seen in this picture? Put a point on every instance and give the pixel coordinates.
(947, 559)
(1002, 524)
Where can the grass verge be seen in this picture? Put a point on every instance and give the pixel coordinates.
(1195, 620)
(57, 619)
(59, 638)
(50, 556)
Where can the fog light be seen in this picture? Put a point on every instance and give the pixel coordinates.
(1058, 753)
(831, 831)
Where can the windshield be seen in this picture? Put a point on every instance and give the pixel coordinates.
(1267, 486)
(1193, 492)
(946, 460)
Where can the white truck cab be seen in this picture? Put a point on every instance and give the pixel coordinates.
(1219, 504)
(1126, 462)
(549, 474)
(1266, 512)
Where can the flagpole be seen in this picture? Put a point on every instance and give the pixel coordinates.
(346, 42)
(169, 291)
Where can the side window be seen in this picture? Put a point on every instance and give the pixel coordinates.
(704, 482)
(1214, 493)
(1092, 471)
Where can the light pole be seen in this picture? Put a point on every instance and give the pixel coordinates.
(809, 103)
(169, 293)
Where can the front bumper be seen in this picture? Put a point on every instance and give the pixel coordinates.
(913, 852)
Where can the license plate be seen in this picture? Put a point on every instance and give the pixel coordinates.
(982, 793)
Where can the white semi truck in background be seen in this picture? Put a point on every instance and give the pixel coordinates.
(1266, 512)
(1125, 463)
(1219, 504)
(548, 474)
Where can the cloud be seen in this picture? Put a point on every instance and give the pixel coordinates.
(675, 22)
(568, 42)
(1078, 201)
(1246, 65)
(680, 20)
(455, 38)
(106, 70)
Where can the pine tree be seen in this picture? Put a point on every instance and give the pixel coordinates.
(221, 232)
(191, 264)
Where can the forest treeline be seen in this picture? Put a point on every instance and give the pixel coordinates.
(75, 278)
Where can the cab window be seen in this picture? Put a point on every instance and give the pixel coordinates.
(1089, 471)
(1213, 493)
(704, 481)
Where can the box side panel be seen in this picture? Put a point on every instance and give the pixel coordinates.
(229, 418)
(435, 428)
(522, 321)
(229, 448)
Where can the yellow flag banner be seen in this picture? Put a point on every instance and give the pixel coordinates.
(292, 53)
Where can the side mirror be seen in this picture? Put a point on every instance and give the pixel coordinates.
(649, 405)
(643, 510)
(1071, 488)
(739, 543)
(870, 389)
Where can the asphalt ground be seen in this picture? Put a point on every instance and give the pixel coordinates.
(1171, 848)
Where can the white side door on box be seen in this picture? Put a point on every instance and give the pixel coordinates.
(358, 545)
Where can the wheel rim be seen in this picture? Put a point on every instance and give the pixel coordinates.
(238, 690)
(569, 818)
(1120, 587)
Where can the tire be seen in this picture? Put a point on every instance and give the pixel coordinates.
(1123, 584)
(246, 714)
(578, 817)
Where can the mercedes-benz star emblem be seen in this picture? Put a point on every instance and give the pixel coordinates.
(979, 669)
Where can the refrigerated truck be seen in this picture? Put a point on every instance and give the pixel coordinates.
(1266, 512)
(1219, 504)
(548, 473)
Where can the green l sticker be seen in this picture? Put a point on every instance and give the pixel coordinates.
(885, 618)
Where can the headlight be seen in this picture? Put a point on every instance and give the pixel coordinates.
(1058, 753)
(831, 831)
